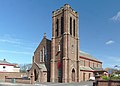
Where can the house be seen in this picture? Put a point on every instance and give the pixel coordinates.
(8, 67)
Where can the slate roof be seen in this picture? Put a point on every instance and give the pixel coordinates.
(5, 62)
(84, 54)
(97, 69)
(86, 68)
(42, 66)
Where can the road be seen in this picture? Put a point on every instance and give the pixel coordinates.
(88, 83)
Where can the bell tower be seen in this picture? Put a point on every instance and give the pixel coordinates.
(65, 45)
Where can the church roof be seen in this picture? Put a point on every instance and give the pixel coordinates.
(98, 69)
(44, 39)
(86, 55)
(86, 68)
(42, 66)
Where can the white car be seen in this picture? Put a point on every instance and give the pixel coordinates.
(92, 79)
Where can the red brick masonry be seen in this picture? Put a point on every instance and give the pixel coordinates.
(107, 83)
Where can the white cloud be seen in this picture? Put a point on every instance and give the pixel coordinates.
(16, 52)
(110, 42)
(116, 17)
(9, 39)
(18, 44)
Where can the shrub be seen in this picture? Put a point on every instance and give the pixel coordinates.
(105, 77)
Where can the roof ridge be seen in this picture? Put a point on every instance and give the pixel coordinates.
(4, 62)
(89, 55)
(84, 52)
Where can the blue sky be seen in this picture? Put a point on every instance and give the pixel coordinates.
(23, 23)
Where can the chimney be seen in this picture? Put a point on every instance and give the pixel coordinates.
(4, 59)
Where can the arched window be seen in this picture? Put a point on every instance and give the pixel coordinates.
(73, 75)
(62, 25)
(43, 53)
(70, 25)
(41, 56)
(89, 63)
(74, 27)
(59, 47)
(57, 27)
(93, 65)
(84, 62)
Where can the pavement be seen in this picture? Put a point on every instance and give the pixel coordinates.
(88, 83)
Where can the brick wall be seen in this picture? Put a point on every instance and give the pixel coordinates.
(18, 80)
(108, 83)
(10, 75)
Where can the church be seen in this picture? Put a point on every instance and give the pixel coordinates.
(60, 59)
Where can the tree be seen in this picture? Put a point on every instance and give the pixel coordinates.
(25, 67)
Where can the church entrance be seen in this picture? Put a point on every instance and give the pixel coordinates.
(73, 75)
(35, 74)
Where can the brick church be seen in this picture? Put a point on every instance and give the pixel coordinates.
(60, 59)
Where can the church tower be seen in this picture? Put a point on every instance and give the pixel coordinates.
(65, 45)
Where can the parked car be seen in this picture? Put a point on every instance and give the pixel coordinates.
(92, 79)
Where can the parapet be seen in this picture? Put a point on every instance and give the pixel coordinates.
(65, 7)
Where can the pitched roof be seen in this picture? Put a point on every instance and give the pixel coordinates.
(86, 68)
(84, 54)
(44, 39)
(5, 62)
(97, 69)
(42, 66)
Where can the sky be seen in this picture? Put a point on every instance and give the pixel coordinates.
(24, 22)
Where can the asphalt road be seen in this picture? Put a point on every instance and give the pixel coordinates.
(88, 83)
